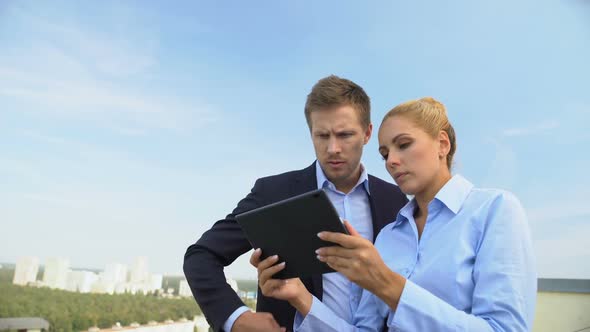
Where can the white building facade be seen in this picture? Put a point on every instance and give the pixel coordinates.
(56, 273)
(81, 281)
(26, 270)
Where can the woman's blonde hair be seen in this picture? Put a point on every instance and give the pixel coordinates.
(430, 115)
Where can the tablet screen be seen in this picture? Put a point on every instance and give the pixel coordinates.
(289, 229)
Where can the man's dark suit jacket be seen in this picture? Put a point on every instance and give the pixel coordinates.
(224, 242)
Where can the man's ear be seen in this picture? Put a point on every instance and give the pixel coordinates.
(368, 133)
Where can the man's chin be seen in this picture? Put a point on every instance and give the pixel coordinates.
(336, 177)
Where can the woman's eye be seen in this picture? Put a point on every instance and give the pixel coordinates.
(384, 156)
(404, 145)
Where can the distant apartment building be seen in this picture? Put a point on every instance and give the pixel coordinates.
(56, 273)
(116, 273)
(102, 286)
(26, 270)
(156, 282)
(184, 289)
(139, 271)
(80, 281)
(115, 279)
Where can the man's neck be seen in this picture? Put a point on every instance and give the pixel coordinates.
(348, 184)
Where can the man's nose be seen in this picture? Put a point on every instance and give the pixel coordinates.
(333, 145)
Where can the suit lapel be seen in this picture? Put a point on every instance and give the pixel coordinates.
(304, 181)
(375, 212)
(381, 206)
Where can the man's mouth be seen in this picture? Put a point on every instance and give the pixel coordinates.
(335, 163)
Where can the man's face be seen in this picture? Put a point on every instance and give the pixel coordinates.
(338, 139)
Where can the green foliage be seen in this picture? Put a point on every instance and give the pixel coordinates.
(70, 311)
(6, 275)
(248, 285)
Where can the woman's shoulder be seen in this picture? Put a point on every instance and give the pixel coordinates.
(493, 201)
(492, 195)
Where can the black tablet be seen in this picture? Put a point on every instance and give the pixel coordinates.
(289, 229)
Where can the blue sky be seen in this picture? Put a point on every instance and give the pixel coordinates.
(128, 128)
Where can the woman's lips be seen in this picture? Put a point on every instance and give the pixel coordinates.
(400, 175)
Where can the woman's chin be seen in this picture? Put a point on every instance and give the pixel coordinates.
(408, 190)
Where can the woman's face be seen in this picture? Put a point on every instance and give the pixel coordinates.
(414, 159)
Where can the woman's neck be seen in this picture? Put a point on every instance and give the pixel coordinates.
(426, 196)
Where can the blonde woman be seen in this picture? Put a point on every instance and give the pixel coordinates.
(457, 257)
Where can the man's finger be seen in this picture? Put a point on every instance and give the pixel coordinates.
(255, 258)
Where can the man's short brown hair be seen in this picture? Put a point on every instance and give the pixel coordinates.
(333, 91)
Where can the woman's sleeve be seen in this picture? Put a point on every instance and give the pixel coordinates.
(370, 317)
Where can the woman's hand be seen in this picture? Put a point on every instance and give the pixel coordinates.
(359, 260)
(291, 290)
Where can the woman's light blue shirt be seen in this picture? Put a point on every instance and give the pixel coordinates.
(472, 269)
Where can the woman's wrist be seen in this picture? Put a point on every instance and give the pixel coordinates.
(390, 288)
(302, 303)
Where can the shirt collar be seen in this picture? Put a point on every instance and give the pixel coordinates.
(322, 180)
(453, 194)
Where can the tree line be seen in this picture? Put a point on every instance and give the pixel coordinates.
(71, 311)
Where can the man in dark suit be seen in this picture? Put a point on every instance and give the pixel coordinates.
(338, 115)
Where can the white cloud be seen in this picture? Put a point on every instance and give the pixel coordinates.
(530, 130)
(73, 72)
(128, 53)
(81, 96)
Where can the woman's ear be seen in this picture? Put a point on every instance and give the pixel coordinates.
(444, 144)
